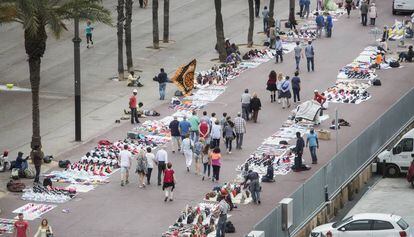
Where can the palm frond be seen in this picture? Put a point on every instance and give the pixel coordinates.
(85, 10)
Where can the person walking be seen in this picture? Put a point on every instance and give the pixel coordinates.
(88, 31)
(162, 82)
(184, 127)
(187, 149)
(133, 106)
(125, 157)
(279, 49)
(37, 158)
(265, 15)
(296, 87)
(320, 23)
(329, 25)
(161, 159)
(373, 14)
(44, 230)
(175, 134)
(254, 185)
(257, 8)
(310, 54)
(301, 8)
(213, 118)
(169, 182)
(271, 86)
(142, 168)
(21, 227)
(240, 129)
(255, 106)
(206, 159)
(194, 122)
(229, 135)
(205, 118)
(215, 157)
(272, 35)
(215, 134)
(223, 121)
(313, 142)
(286, 95)
(348, 6)
(298, 54)
(307, 8)
(150, 164)
(141, 3)
(364, 11)
(221, 210)
(245, 104)
(279, 82)
(198, 155)
(298, 152)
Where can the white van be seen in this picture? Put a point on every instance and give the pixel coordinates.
(402, 6)
(398, 159)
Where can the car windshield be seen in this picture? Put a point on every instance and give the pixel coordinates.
(402, 224)
(339, 223)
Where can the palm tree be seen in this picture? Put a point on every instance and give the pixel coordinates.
(120, 36)
(155, 31)
(272, 7)
(251, 24)
(220, 31)
(36, 16)
(128, 21)
(292, 11)
(166, 34)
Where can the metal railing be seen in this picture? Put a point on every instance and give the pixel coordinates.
(309, 198)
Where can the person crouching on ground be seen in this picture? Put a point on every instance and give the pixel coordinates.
(254, 185)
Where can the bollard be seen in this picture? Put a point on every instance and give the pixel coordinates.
(384, 164)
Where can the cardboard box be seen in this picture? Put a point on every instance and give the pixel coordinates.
(324, 134)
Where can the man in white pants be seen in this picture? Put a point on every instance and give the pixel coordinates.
(125, 158)
(187, 149)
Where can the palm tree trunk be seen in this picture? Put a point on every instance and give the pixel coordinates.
(155, 31)
(220, 31)
(292, 11)
(120, 35)
(128, 21)
(251, 24)
(272, 7)
(34, 69)
(166, 34)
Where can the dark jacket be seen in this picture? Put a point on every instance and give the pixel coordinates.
(175, 132)
(19, 161)
(296, 83)
(364, 8)
(299, 145)
(37, 157)
(255, 104)
(162, 77)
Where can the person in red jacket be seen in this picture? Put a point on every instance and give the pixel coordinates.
(133, 106)
(169, 182)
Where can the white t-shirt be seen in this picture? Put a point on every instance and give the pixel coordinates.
(125, 157)
(216, 131)
(150, 160)
(162, 155)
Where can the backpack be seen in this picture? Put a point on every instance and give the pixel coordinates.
(15, 186)
(64, 163)
(376, 82)
(394, 64)
(29, 173)
(230, 227)
(47, 159)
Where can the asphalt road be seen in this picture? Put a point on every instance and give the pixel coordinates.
(111, 210)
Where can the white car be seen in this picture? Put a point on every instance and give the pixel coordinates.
(365, 225)
(402, 6)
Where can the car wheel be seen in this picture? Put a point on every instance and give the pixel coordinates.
(394, 12)
(392, 170)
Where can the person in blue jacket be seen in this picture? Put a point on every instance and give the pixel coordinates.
(302, 6)
(329, 25)
(320, 23)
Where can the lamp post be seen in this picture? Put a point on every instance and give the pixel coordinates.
(76, 42)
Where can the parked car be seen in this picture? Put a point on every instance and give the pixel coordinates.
(398, 159)
(365, 225)
(402, 6)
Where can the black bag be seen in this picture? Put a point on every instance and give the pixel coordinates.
(64, 163)
(376, 82)
(287, 24)
(47, 182)
(47, 159)
(394, 64)
(190, 218)
(230, 227)
(155, 79)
